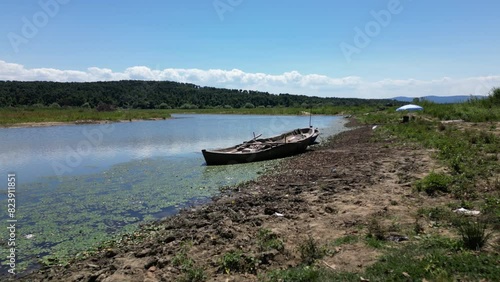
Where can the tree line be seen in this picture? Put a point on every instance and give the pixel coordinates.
(155, 94)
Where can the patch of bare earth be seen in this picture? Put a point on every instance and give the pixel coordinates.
(332, 191)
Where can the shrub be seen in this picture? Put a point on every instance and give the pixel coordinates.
(268, 241)
(433, 183)
(491, 209)
(193, 274)
(375, 230)
(188, 106)
(248, 106)
(103, 107)
(86, 105)
(494, 96)
(310, 251)
(55, 105)
(441, 127)
(474, 235)
(181, 259)
(238, 262)
(163, 106)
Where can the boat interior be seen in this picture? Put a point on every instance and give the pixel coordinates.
(257, 145)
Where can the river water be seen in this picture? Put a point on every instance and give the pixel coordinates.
(79, 184)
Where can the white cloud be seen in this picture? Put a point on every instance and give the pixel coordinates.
(289, 82)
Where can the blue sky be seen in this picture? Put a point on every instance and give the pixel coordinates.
(412, 48)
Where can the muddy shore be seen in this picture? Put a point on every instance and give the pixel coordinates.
(326, 193)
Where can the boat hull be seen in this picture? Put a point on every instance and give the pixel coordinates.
(285, 150)
(277, 150)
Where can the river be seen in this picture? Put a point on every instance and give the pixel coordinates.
(77, 185)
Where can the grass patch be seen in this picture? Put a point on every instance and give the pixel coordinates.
(348, 239)
(433, 258)
(9, 116)
(236, 261)
(193, 274)
(267, 241)
(374, 242)
(415, 263)
(433, 183)
(435, 213)
(491, 211)
(310, 251)
(190, 271)
(474, 235)
(307, 274)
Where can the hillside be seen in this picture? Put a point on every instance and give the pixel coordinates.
(154, 94)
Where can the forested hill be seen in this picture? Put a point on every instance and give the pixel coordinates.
(153, 94)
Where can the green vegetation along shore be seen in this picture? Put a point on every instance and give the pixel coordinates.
(33, 116)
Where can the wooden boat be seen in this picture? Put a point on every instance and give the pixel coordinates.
(280, 146)
(314, 136)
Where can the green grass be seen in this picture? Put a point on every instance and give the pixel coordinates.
(9, 116)
(491, 210)
(474, 235)
(190, 271)
(237, 261)
(348, 239)
(470, 155)
(268, 241)
(307, 274)
(433, 183)
(433, 258)
(310, 251)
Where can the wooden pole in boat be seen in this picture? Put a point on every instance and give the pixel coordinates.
(310, 117)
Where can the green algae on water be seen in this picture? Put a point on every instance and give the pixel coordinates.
(60, 217)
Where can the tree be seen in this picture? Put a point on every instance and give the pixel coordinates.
(163, 106)
(494, 96)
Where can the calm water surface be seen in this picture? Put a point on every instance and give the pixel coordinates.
(79, 184)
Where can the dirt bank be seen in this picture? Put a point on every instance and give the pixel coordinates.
(329, 192)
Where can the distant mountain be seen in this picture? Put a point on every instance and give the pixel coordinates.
(441, 99)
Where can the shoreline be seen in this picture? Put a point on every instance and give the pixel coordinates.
(326, 193)
(76, 122)
(83, 122)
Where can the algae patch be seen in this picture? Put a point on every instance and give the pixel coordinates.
(60, 217)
